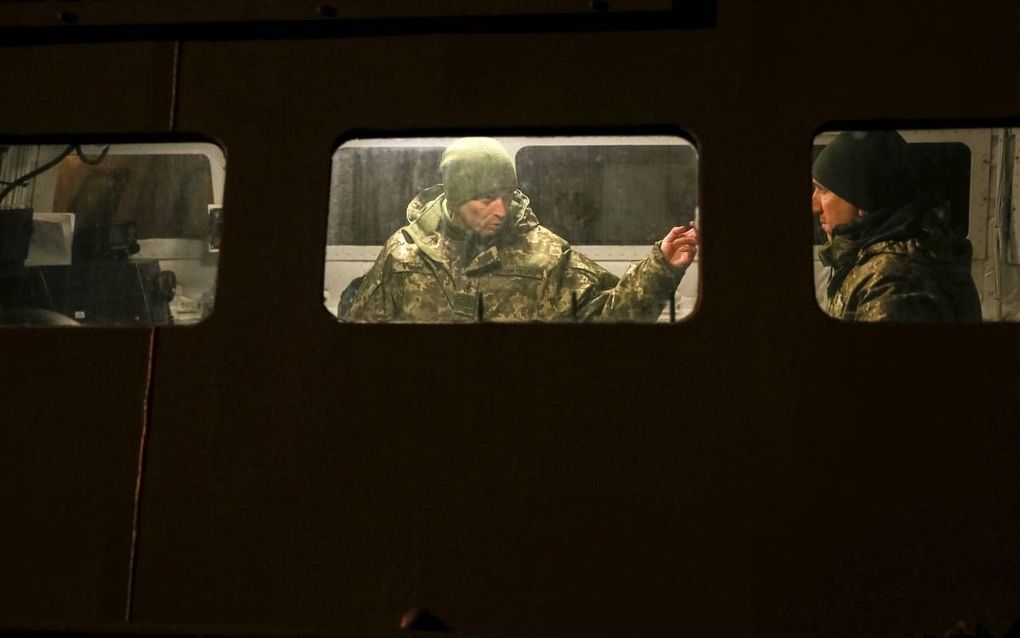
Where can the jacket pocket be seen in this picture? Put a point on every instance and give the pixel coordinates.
(513, 293)
(417, 294)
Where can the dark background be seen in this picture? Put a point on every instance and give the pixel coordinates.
(757, 470)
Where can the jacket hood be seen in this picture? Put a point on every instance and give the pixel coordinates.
(929, 229)
(923, 235)
(427, 213)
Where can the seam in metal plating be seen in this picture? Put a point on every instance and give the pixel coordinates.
(147, 398)
(174, 80)
(142, 446)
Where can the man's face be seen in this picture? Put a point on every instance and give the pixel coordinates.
(832, 209)
(485, 216)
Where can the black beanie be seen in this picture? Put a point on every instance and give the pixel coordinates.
(866, 168)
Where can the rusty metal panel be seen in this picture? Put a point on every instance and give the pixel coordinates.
(286, 477)
(74, 400)
(73, 417)
(605, 480)
(86, 88)
(611, 480)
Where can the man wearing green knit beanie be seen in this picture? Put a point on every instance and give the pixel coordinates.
(475, 168)
(473, 250)
(893, 255)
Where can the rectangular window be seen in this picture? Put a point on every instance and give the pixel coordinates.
(438, 230)
(109, 234)
(906, 225)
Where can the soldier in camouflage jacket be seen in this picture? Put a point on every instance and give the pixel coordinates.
(473, 249)
(892, 257)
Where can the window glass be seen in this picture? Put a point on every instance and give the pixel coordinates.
(437, 230)
(109, 235)
(610, 194)
(903, 221)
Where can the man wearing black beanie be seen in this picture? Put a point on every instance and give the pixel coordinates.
(892, 257)
(474, 250)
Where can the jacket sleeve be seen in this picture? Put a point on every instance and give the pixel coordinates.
(898, 293)
(372, 303)
(640, 295)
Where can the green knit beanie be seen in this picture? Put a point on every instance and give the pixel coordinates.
(866, 168)
(472, 167)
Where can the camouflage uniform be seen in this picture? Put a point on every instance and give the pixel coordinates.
(433, 271)
(899, 265)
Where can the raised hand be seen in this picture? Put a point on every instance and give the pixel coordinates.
(680, 245)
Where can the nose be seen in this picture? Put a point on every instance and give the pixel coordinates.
(816, 202)
(498, 208)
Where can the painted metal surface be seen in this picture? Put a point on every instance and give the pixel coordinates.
(706, 478)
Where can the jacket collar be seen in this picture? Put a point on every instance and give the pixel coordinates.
(430, 228)
(849, 242)
(908, 230)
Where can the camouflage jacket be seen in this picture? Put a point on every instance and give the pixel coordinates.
(902, 265)
(433, 271)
